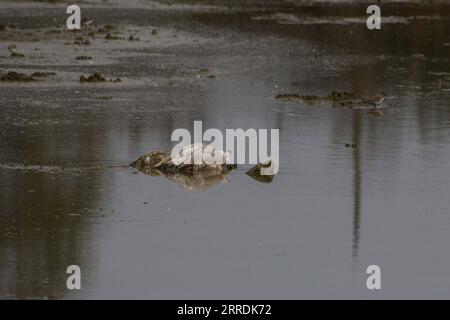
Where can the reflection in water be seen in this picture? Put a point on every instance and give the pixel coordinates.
(356, 183)
(255, 173)
(199, 181)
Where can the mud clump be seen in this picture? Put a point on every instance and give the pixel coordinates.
(336, 99)
(17, 55)
(351, 145)
(97, 78)
(298, 97)
(83, 58)
(133, 38)
(339, 96)
(13, 53)
(16, 77)
(207, 73)
(104, 98)
(112, 37)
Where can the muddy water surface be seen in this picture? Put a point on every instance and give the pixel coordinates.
(67, 196)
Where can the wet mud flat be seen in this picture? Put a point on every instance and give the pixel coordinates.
(353, 188)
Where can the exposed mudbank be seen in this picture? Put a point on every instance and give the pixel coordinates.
(13, 76)
(336, 99)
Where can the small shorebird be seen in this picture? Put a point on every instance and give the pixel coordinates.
(375, 102)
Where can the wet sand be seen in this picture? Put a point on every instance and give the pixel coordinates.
(353, 189)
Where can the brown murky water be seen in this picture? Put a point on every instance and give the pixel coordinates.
(68, 198)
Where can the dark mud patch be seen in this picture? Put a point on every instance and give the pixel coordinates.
(206, 73)
(83, 58)
(13, 76)
(336, 99)
(17, 55)
(40, 74)
(97, 78)
(298, 97)
(104, 98)
(133, 38)
(80, 41)
(109, 36)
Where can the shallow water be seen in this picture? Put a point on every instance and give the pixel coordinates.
(67, 196)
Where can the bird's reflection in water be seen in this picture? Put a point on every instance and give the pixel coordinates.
(256, 173)
(202, 180)
(193, 182)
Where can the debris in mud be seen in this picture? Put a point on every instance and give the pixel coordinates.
(12, 47)
(83, 58)
(351, 145)
(13, 76)
(133, 38)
